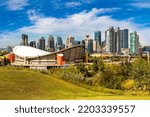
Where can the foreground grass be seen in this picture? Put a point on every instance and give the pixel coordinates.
(28, 84)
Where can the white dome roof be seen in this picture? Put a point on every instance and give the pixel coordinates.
(29, 52)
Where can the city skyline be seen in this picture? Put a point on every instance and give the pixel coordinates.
(78, 18)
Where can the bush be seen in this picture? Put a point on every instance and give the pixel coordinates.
(141, 74)
(81, 68)
(128, 84)
(126, 76)
(109, 78)
(98, 65)
(72, 74)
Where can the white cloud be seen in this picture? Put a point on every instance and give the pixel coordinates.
(60, 4)
(87, 1)
(34, 15)
(80, 24)
(141, 5)
(9, 38)
(44, 25)
(72, 4)
(15, 4)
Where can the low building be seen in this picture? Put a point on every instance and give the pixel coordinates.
(33, 57)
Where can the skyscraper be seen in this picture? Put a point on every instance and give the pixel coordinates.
(41, 43)
(70, 41)
(33, 44)
(9, 49)
(50, 45)
(83, 42)
(116, 42)
(59, 43)
(124, 38)
(95, 46)
(77, 42)
(97, 37)
(110, 40)
(116, 39)
(134, 43)
(89, 44)
(24, 40)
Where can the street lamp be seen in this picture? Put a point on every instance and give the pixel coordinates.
(148, 57)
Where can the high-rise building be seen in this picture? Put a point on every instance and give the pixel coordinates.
(89, 44)
(24, 40)
(83, 42)
(9, 49)
(95, 46)
(116, 39)
(70, 41)
(146, 49)
(77, 42)
(103, 44)
(33, 44)
(59, 43)
(110, 39)
(50, 44)
(116, 42)
(63, 46)
(41, 43)
(134, 43)
(97, 37)
(124, 38)
(97, 41)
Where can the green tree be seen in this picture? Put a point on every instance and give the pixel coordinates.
(98, 65)
(141, 74)
(82, 68)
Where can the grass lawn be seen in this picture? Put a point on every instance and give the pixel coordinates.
(27, 84)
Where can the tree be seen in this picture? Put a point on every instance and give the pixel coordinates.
(81, 67)
(98, 65)
(141, 74)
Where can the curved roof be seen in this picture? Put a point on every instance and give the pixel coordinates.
(29, 52)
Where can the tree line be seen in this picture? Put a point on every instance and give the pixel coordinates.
(125, 76)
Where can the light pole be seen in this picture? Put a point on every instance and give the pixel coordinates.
(128, 58)
(148, 57)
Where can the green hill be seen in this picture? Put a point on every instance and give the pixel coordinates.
(29, 84)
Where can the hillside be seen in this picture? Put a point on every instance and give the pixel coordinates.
(29, 84)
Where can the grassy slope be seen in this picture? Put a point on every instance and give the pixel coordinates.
(29, 84)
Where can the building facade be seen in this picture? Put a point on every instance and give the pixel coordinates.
(24, 40)
(97, 37)
(50, 44)
(110, 40)
(124, 38)
(33, 44)
(146, 49)
(116, 39)
(59, 43)
(134, 43)
(41, 43)
(116, 42)
(71, 55)
(70, 41)
(89, 44)
(9, 49)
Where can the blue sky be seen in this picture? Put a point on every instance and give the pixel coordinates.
(76, 17)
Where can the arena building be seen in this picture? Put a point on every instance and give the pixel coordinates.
(35, 58)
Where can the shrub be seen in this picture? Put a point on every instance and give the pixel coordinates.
(141, 74)
(72, 74)
(128, 84)
(98, 65)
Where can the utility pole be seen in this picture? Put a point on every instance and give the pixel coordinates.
(148, 57)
